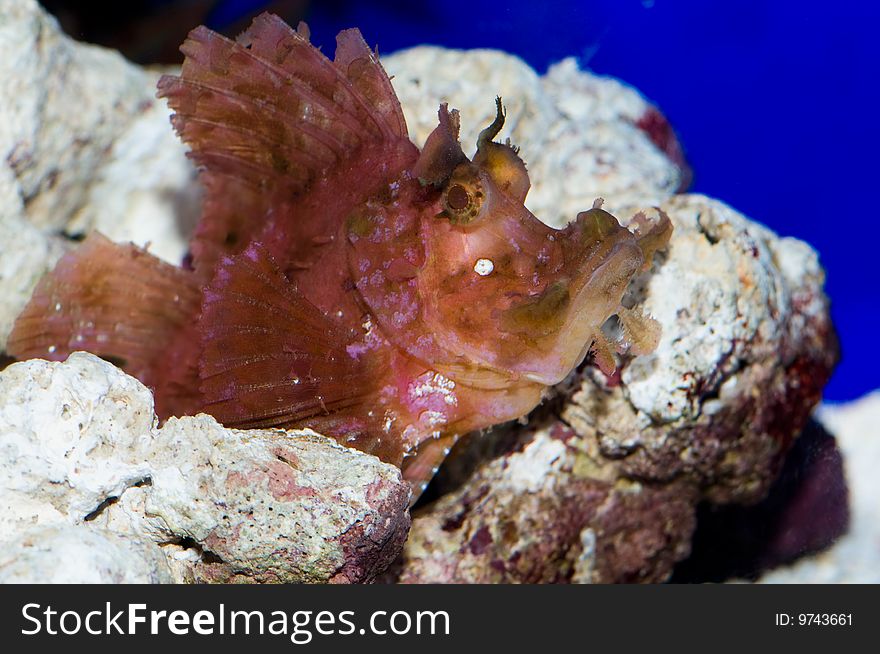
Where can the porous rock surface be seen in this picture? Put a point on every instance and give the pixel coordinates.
(855, 558)
(603, 486)
(600, 485)
(72, 554)
(84, 467)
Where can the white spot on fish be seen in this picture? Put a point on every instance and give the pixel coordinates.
(436, 386)
(432, 418)
(484, 267)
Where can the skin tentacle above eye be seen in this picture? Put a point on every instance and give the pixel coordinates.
(501, 160)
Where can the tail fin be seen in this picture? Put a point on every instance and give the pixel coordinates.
(123, 304)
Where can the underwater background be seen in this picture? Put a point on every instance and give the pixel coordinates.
(774, 102)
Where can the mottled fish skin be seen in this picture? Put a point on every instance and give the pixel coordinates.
(342, 279)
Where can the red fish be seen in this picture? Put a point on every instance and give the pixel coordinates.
(342, 279)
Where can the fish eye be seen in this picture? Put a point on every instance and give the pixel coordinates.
(463, 196)
(457, 198)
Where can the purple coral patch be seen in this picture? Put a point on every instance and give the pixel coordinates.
(805, 511)
(657, 128)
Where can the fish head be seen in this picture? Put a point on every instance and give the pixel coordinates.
(501, 290)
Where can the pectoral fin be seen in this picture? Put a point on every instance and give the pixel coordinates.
(270, 358)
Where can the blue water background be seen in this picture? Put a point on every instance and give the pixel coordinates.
(775, 103)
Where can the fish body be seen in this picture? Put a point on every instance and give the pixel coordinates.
(342, 279)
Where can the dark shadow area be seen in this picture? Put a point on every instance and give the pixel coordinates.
(806, 510)
(151, 31)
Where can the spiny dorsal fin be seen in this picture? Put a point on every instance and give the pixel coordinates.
(267, 115)
(271, 105)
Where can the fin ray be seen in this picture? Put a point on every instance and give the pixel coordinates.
(420, 467)
(106, 298)
(298, 364)
(266, 116)
(603, 354)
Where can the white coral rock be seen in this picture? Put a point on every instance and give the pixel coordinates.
(724, 294)
(69, 554)
(71, 436)
(80, 448)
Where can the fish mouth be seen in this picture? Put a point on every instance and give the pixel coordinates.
(600, 259)
(599, 293)
(597, 297)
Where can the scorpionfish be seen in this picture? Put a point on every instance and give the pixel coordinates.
(340, 278)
